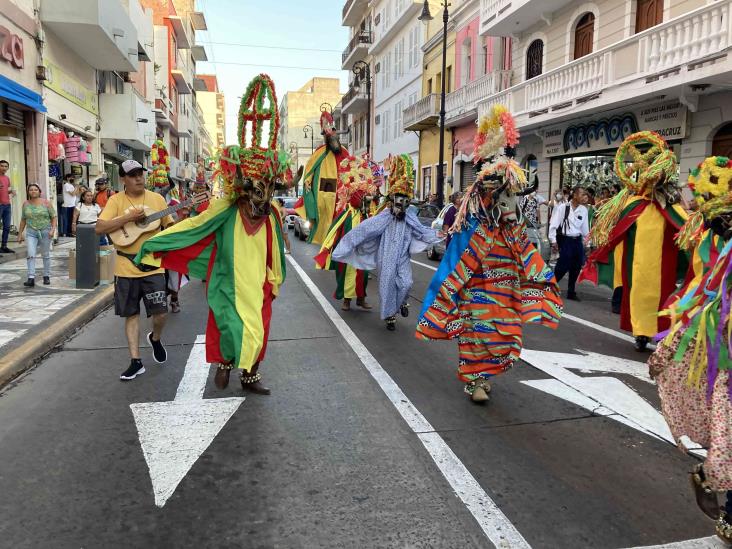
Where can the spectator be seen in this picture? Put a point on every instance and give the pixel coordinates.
(70, 194)
(6, 193)
(87, 213)
(433, 199)
(567, 230)
(450, 214)
(102, 191)
(283, 213)
(40, 219)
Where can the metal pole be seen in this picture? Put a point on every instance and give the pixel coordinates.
(440, 170)
(368, 110)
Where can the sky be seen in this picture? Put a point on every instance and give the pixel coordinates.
(303, 26)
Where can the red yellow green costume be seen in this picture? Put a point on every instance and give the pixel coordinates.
(635, 235)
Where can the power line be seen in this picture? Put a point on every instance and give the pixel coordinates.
(266, 47)
(272, 66)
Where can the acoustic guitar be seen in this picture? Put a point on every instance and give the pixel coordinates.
(130, 232)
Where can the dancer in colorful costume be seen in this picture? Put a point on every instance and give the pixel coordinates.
(384, 242)
(236, 244)
(318, 201)
(634, 236)
(693, 362)
(491, 280)
(356, 184)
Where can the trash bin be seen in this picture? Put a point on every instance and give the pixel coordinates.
(87, 257)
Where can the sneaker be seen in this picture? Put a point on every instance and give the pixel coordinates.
(46, 280)
(136, 369)
(174, 307)
(6, 250)
(30, 283)
(160, 355)
(404, 310)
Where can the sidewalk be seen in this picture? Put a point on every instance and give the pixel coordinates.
(30, 318)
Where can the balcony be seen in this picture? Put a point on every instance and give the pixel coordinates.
(99, 31)
(669, 58)
(424, 114)
(357, 49)
(163, 109)
(511, 17)
(384, 33)
(125, 117)
(461, 106)
(198, 20)
(355, 101)
(353, 12)
(179, 29)
(199, 53)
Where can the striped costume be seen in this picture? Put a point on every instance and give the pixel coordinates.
(490, 283)
(244, 266)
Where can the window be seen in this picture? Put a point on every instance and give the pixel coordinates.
(412, 99)
(534, 59)
(399, 59)
(722, 142)
(466, 59)
(649, 13)
(448, 79)
(385, 127)
(584, 34)
(414, 47)
(397, 119)
(438, 82)
(426, 182)
(507, 53)
(387, 70)
(429, 86)
(387, 17)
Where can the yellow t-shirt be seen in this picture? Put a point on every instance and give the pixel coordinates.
(116, 206)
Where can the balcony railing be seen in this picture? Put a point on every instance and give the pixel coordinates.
(364, 38)
(463, 101)
(423, 114)
(688, 48)
(491, 9)
(347, 6)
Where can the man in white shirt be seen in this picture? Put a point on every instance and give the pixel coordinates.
(70, 192)
(568, 229)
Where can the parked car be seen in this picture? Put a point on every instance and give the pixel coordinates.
(302, 228)
(431, 216)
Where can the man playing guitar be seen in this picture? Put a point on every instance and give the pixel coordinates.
(131, 284)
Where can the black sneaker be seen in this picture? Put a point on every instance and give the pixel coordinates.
(136, 369)
(404, 310)
(391, 323)
(46, 280)
(29, 283)
(160, 355)
(6, 250)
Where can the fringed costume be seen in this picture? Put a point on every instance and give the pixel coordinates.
(236, 244)
(357, 182)
(492, 280)
(693, 362)
(634, 235)
(386, 241)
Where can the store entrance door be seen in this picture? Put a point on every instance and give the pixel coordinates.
(722, 144)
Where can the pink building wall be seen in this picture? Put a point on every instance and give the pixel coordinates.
(471, 30)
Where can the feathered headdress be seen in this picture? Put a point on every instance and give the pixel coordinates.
(250, 160)
(356, 176)
(401, 175)
(711, 182)
(495, 149)
(160, 160)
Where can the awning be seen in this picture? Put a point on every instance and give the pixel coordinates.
(20, 94)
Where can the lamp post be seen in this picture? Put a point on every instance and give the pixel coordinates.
(362, 70)
(308, 128)
(426, 17)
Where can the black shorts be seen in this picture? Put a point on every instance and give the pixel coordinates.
(129, 291)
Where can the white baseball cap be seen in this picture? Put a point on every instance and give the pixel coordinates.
(130, 166)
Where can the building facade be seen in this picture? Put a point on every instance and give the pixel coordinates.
(586, 74)
(213, 109)
(300, 116)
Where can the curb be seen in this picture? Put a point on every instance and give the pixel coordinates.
(28, 353)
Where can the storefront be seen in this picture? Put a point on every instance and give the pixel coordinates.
(463, 166)
(583, 152)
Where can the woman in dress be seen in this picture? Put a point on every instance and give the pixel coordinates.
(38, 220)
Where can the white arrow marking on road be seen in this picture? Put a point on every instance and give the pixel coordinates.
(605, 396)
(174, 434)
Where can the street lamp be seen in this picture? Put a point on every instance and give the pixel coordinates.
(426, 17)
(362, 70)
(308, 128)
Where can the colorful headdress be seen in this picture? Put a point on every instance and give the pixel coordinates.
(652, 174)
(711, 182)
(355, 176)
(401, 175)
(495, 150)
(160, 160)
(327, 124)
(250, 161)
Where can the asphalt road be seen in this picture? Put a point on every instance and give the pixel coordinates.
(366, 441)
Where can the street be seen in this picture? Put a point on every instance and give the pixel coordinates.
(366, 441)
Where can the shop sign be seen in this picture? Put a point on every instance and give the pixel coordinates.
(12, 48)
(70, 88)
(667, 119)
(77, 170)
(124, 151)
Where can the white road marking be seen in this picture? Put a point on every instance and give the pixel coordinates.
(174, 434)
(495, 525)
(599, 394)
(712, 542)
(594, 326)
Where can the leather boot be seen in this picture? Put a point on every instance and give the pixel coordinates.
(221, 380)
(252, 382)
